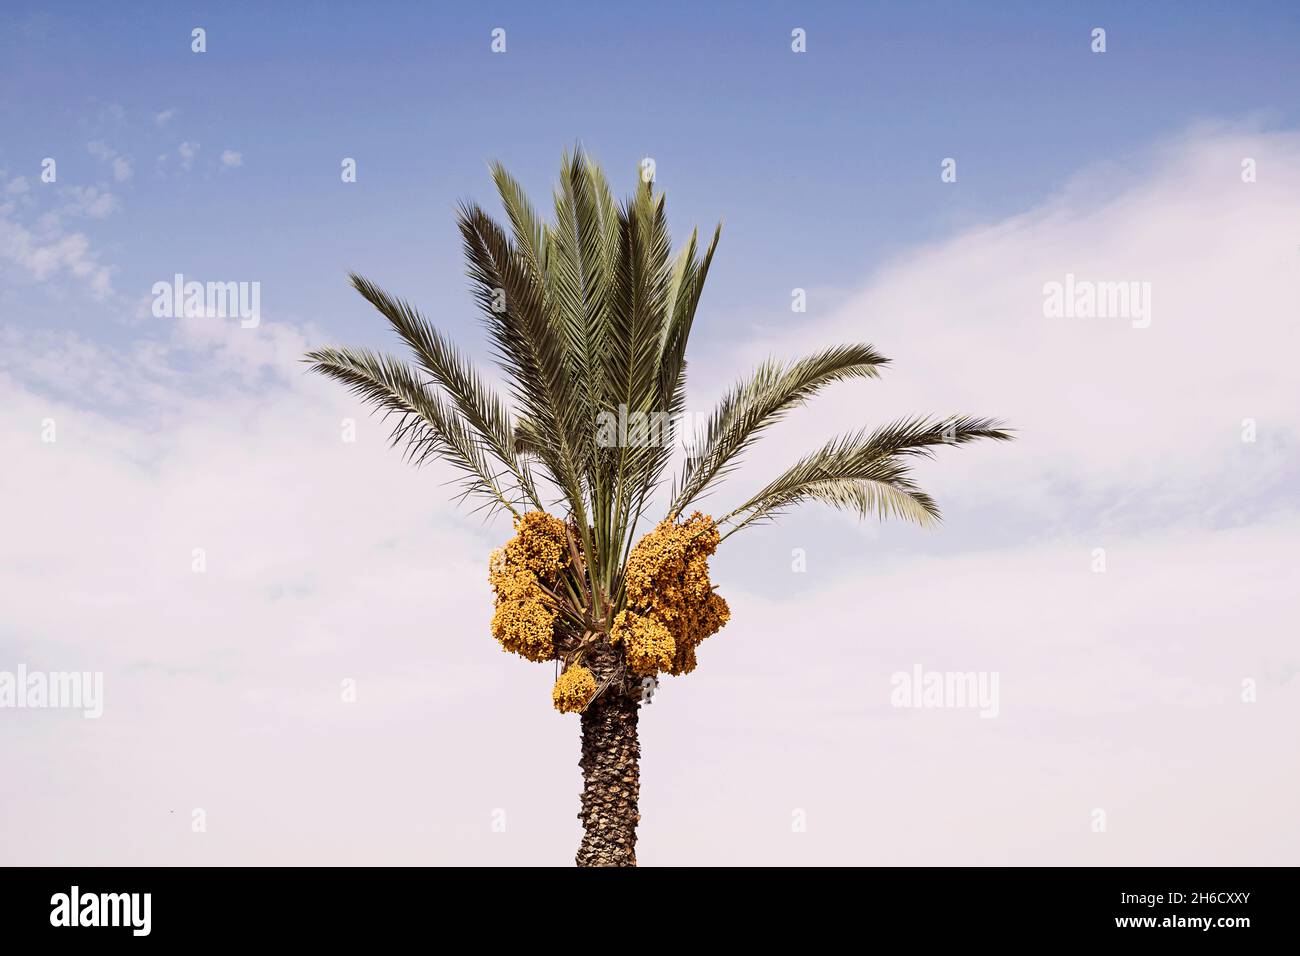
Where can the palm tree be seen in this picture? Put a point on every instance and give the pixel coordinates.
(589, 316)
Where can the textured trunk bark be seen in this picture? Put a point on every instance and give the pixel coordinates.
(611, 781)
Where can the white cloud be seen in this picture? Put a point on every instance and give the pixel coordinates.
(164, 117)
(1141, 424)
(120, 165)
(112, 114)
(46, 250)
(187, 151)
(231, 158)
(90, 201)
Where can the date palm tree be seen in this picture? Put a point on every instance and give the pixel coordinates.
(589, 316)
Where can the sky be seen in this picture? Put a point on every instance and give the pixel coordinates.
(1126, 568)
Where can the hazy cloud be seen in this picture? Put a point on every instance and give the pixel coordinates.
(119, 165)
(187, 152)
(45, 249)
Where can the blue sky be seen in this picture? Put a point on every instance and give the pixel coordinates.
(823, 164)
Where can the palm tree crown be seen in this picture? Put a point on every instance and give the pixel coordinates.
(589, 316)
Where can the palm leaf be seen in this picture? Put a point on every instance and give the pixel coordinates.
(527, 347)
(425, 425)
(867, 472)
(436, 355)
(760, 401)
(581, 279)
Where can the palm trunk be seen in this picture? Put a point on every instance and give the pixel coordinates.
(611, 781)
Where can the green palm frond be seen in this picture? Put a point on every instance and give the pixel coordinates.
(426, 426)
(638, 312)
(759, 402)
(898, 498)
(534, 357)
(867, 472)
(580, 274)
(606, 211)
(481, 408)
(687, 286)
(532, 240)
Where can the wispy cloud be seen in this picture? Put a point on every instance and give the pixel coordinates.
(44, 249)
(89, 201)
(188, 152)
(120, 165)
